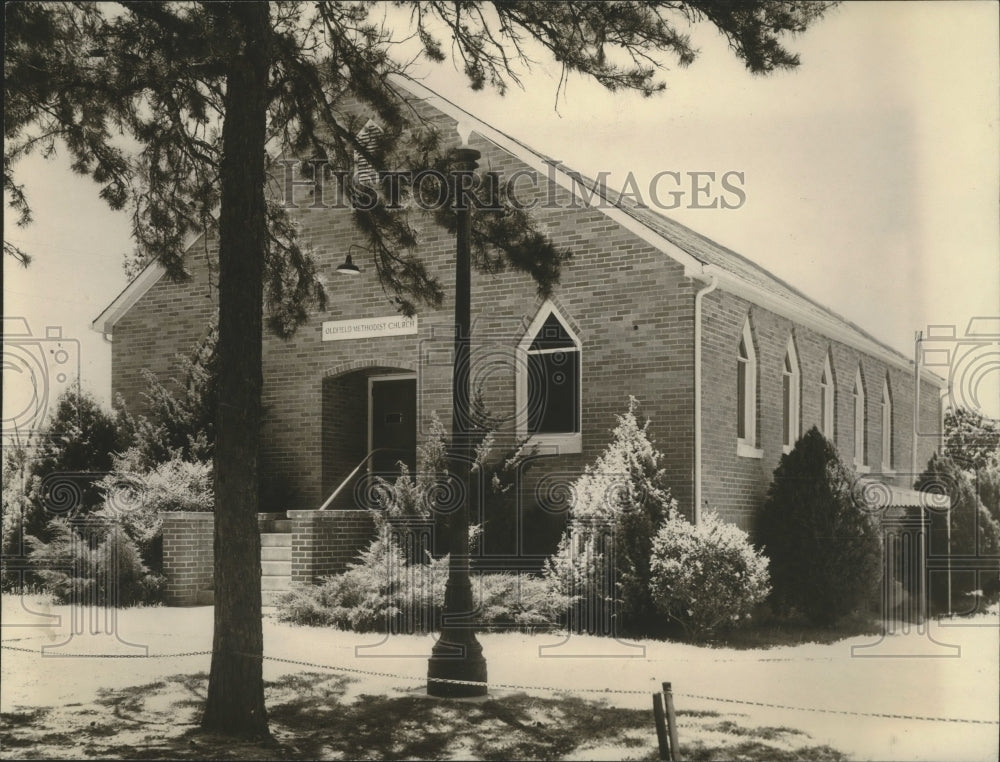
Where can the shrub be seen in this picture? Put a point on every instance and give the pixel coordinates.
(101, 567)
(412, 495)
(623, 495)
(179, 421)
(988, 487)
(137, 497)
(13, 509)
(971, 439)
(383, 592)
(506, 601)
(706, 577)
(78, 441)
(824, 545)
(974, 531)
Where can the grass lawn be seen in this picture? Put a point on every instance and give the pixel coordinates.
(148, 708)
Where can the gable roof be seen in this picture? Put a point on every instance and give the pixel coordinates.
(701, 257)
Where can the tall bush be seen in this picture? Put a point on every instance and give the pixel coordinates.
(706, 577)
(622, 498)
(179, 420)
(823, 544)
(973, 529)
(75, 447)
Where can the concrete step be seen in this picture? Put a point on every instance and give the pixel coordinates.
(276, 582)
(276, 553)
(276, 540)
(273, 523)
(277, 568)
(205, 598)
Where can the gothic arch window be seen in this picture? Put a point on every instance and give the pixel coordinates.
(827, 399)
(791, 386)
(860, 421)
(887, 459)
(746, 395)
(549, 383)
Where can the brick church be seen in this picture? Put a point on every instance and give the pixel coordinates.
(730, 363)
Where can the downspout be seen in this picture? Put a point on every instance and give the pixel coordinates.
(918, 337)
(713, 282)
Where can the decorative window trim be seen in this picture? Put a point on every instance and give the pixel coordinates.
(791, 425)
(554, 443)
(860, 422)
(827, 399)
(746, 445)
(887, 427)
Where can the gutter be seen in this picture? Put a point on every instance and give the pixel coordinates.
(713, 282)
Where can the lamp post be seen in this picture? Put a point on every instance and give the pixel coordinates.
(457, 655)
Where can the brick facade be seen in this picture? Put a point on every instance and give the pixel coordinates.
(735, 485)
(630, 302)
(324, 542)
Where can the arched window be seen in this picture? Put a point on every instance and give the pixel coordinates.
(886, 426)
(746, 395)
(827, 397)
(790, 397)
(549, 382)
(364, 172)
(860, 421)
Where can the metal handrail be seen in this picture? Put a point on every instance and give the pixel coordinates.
(357, 468)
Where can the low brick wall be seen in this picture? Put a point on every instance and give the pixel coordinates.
(324, 542)
(188, 555)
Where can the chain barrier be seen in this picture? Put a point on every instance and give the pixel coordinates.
(880, 715)
(517, 687)
(178, 655)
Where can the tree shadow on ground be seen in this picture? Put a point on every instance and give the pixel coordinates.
(325, 716)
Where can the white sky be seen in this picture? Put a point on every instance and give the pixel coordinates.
(871, 173)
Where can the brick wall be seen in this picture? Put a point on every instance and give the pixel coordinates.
(165, 325)
(736, 485)
(188, 555)
(630, 305)
(323, 542)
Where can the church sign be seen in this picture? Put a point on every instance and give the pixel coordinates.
(362, 328)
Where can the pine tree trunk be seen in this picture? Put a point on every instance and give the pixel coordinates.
(235, 704)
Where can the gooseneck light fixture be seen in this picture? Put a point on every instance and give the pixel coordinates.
(348, 267)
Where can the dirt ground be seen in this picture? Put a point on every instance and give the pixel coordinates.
(131, 685)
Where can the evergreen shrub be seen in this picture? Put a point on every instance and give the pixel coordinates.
(824, 544)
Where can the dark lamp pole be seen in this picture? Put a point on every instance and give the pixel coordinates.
(457, 655)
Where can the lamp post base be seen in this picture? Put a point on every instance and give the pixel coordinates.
(458, 658)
